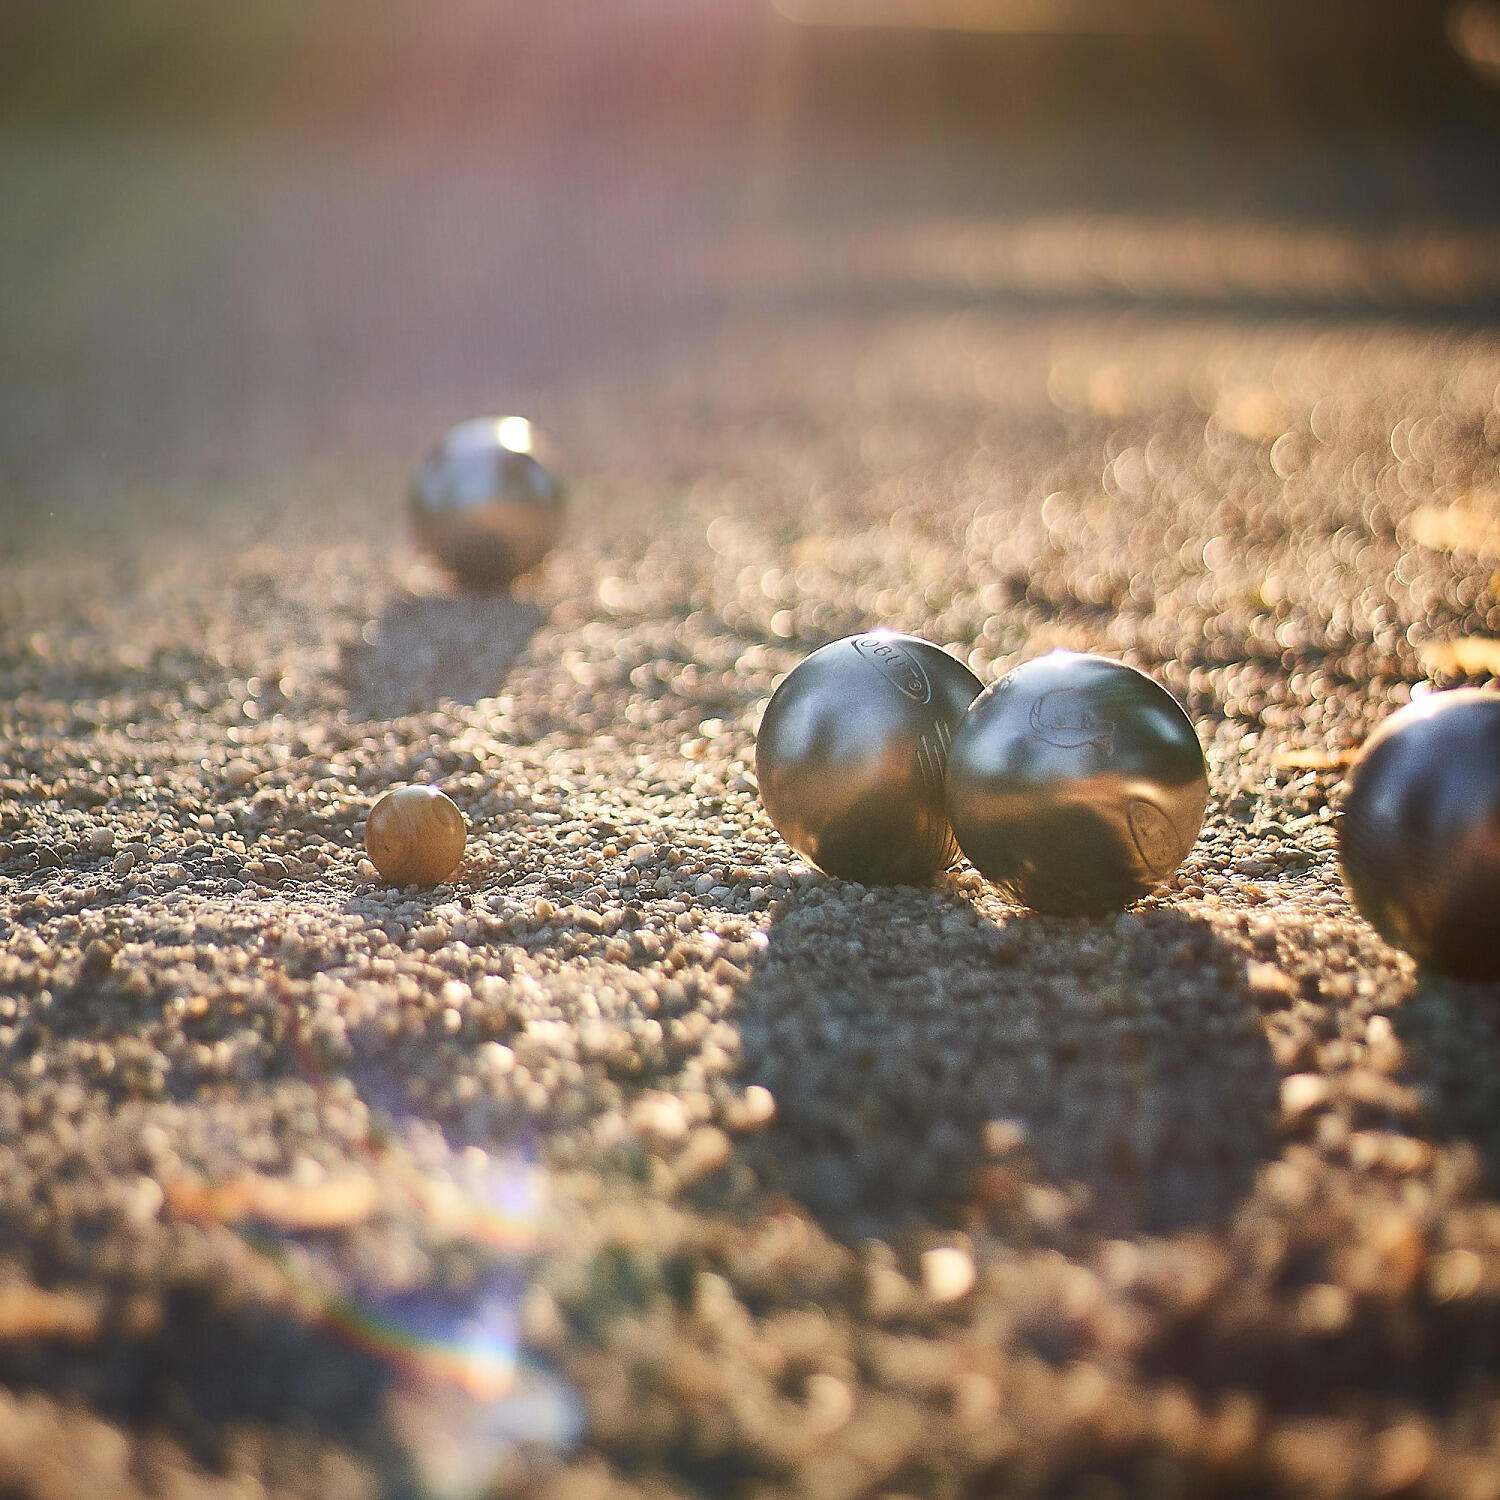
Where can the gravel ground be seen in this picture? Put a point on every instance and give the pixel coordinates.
(642, 1160)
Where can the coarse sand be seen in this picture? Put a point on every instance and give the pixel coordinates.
(641, 1159)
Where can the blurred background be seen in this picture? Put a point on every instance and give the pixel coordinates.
(255, 258)
(238, 239)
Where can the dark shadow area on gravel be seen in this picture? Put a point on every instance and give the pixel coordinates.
(1435, 1340)
(214, 1375)
(1451, 1032)
(927, 1063)
(225, 1379)
(428, 647)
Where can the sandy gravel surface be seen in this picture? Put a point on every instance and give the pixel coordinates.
(641, 1159)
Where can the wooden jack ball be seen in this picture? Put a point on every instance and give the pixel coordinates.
(415, 836)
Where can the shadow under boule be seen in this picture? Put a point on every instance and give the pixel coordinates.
(1451, 1031)
(906, 1040)
(425, 648)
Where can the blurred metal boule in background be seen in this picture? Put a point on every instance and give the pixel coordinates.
(485, 504)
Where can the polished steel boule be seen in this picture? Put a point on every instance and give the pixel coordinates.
(1076, 784)
(1419, 835)
(484, 504)
(850, 756)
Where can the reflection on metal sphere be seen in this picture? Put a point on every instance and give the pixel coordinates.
(850, 756)
(1076, 784)
(1419, 838)
(484, 505)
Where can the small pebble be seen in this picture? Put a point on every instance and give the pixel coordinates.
(1303, 1092)
(947, 1273)
(239, 773)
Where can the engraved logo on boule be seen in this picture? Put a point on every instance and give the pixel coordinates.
(1062, 718)
(1155, 835)
(900, 668)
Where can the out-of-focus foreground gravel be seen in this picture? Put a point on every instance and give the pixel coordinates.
(782, 1185)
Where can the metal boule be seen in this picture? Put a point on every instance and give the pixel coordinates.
(485, 504)
(1076, 784)
(851, 752)
(1419, 834)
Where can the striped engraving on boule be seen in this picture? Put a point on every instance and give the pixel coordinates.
(932, 756)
